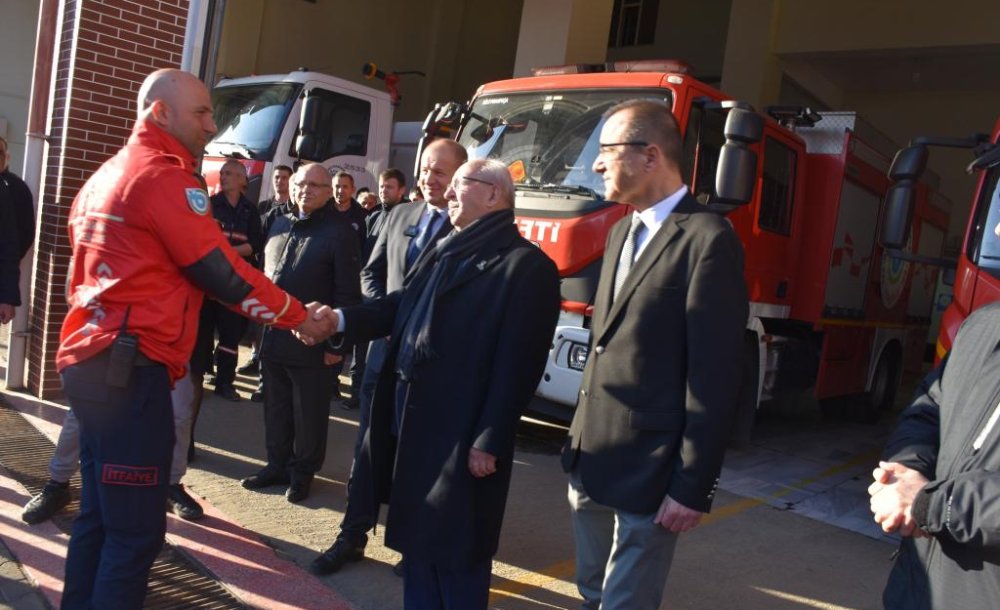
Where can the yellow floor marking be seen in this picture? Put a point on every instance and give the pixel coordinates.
(799, 599)
(522, 580)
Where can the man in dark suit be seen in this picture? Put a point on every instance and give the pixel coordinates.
(470, 333)
(407, 231)
(659, 390)
(313, 257)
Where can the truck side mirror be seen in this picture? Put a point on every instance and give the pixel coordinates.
(897, 213)
(307, 141)
(736, 176)
(445, 120)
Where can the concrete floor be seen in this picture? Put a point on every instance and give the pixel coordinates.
(789, 529)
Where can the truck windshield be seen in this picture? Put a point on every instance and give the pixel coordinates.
(548, 140)
(985, 242)
(250, 118)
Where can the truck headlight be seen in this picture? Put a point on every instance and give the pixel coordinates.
(578, 356)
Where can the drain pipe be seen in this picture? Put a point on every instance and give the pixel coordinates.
(34, 153)
(193, 33)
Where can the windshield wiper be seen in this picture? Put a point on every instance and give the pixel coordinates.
(572, 189)
(237, 150)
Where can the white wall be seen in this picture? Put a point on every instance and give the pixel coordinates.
(18, 28)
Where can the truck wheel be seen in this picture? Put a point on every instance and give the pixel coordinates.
(747, 406)
(885, 383)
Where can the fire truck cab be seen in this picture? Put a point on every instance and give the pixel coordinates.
(827, 311)
(298, 117)
(977, 270)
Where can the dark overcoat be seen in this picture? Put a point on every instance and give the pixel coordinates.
(491, 331)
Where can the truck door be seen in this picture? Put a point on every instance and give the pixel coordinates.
(342, 128)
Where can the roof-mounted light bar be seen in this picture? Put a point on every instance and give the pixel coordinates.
(643, 65)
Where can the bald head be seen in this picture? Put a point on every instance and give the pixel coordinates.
(180, 104)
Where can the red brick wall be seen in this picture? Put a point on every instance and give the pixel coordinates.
(106, 48)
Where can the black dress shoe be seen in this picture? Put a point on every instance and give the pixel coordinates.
(228, 392)
(336, 557)
(53, 497)
(265, 478)
(250, 368)
(297, 491)
(182, 504)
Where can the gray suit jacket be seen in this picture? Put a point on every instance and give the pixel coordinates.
(660, 386)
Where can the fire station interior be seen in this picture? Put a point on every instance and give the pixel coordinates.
(907, 67)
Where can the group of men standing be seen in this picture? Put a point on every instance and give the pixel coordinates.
(459, 309)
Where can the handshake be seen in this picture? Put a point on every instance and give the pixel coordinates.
(321, 323)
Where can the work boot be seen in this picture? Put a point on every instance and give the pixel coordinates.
(228, 392)
(53, 498)
(182, 504)
(336, 557)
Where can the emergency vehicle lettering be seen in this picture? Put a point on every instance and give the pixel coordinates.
(136, 476)
(539, 230)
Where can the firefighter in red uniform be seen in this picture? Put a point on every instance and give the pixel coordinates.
(145, 252)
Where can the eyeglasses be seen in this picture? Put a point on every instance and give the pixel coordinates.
(606, 147)
(455, 183)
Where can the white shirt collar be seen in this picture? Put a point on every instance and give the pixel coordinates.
(653, 218)
(656, 215)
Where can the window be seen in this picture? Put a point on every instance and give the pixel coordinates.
(984, 245)
(633, 22)
(703, 140)
(341, 126)
(547, 139)
(778, 188)
(250, 118)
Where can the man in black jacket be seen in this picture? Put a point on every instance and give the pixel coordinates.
(240, 223)
(18, 233)
(938, 483)
(313, 257)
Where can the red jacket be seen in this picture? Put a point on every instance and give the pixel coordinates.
(144, 240)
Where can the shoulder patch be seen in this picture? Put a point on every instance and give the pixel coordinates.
(197, 200)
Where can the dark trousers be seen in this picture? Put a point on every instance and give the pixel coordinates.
(126, 442)
(360, 356)
(428, 586)
(296, 414)
(359, 514)
(230, 326)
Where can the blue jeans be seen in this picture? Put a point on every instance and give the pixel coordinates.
(126, 441)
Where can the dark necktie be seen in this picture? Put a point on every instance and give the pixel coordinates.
(628, 254)
(423, 238)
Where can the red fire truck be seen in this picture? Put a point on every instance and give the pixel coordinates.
(828, 310)
(977, 277)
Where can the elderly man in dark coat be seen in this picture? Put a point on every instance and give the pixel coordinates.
(470, 333)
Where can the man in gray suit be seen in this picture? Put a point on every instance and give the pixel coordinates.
(659, 390)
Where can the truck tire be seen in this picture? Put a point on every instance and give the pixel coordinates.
(746, 409)
(885, 383)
